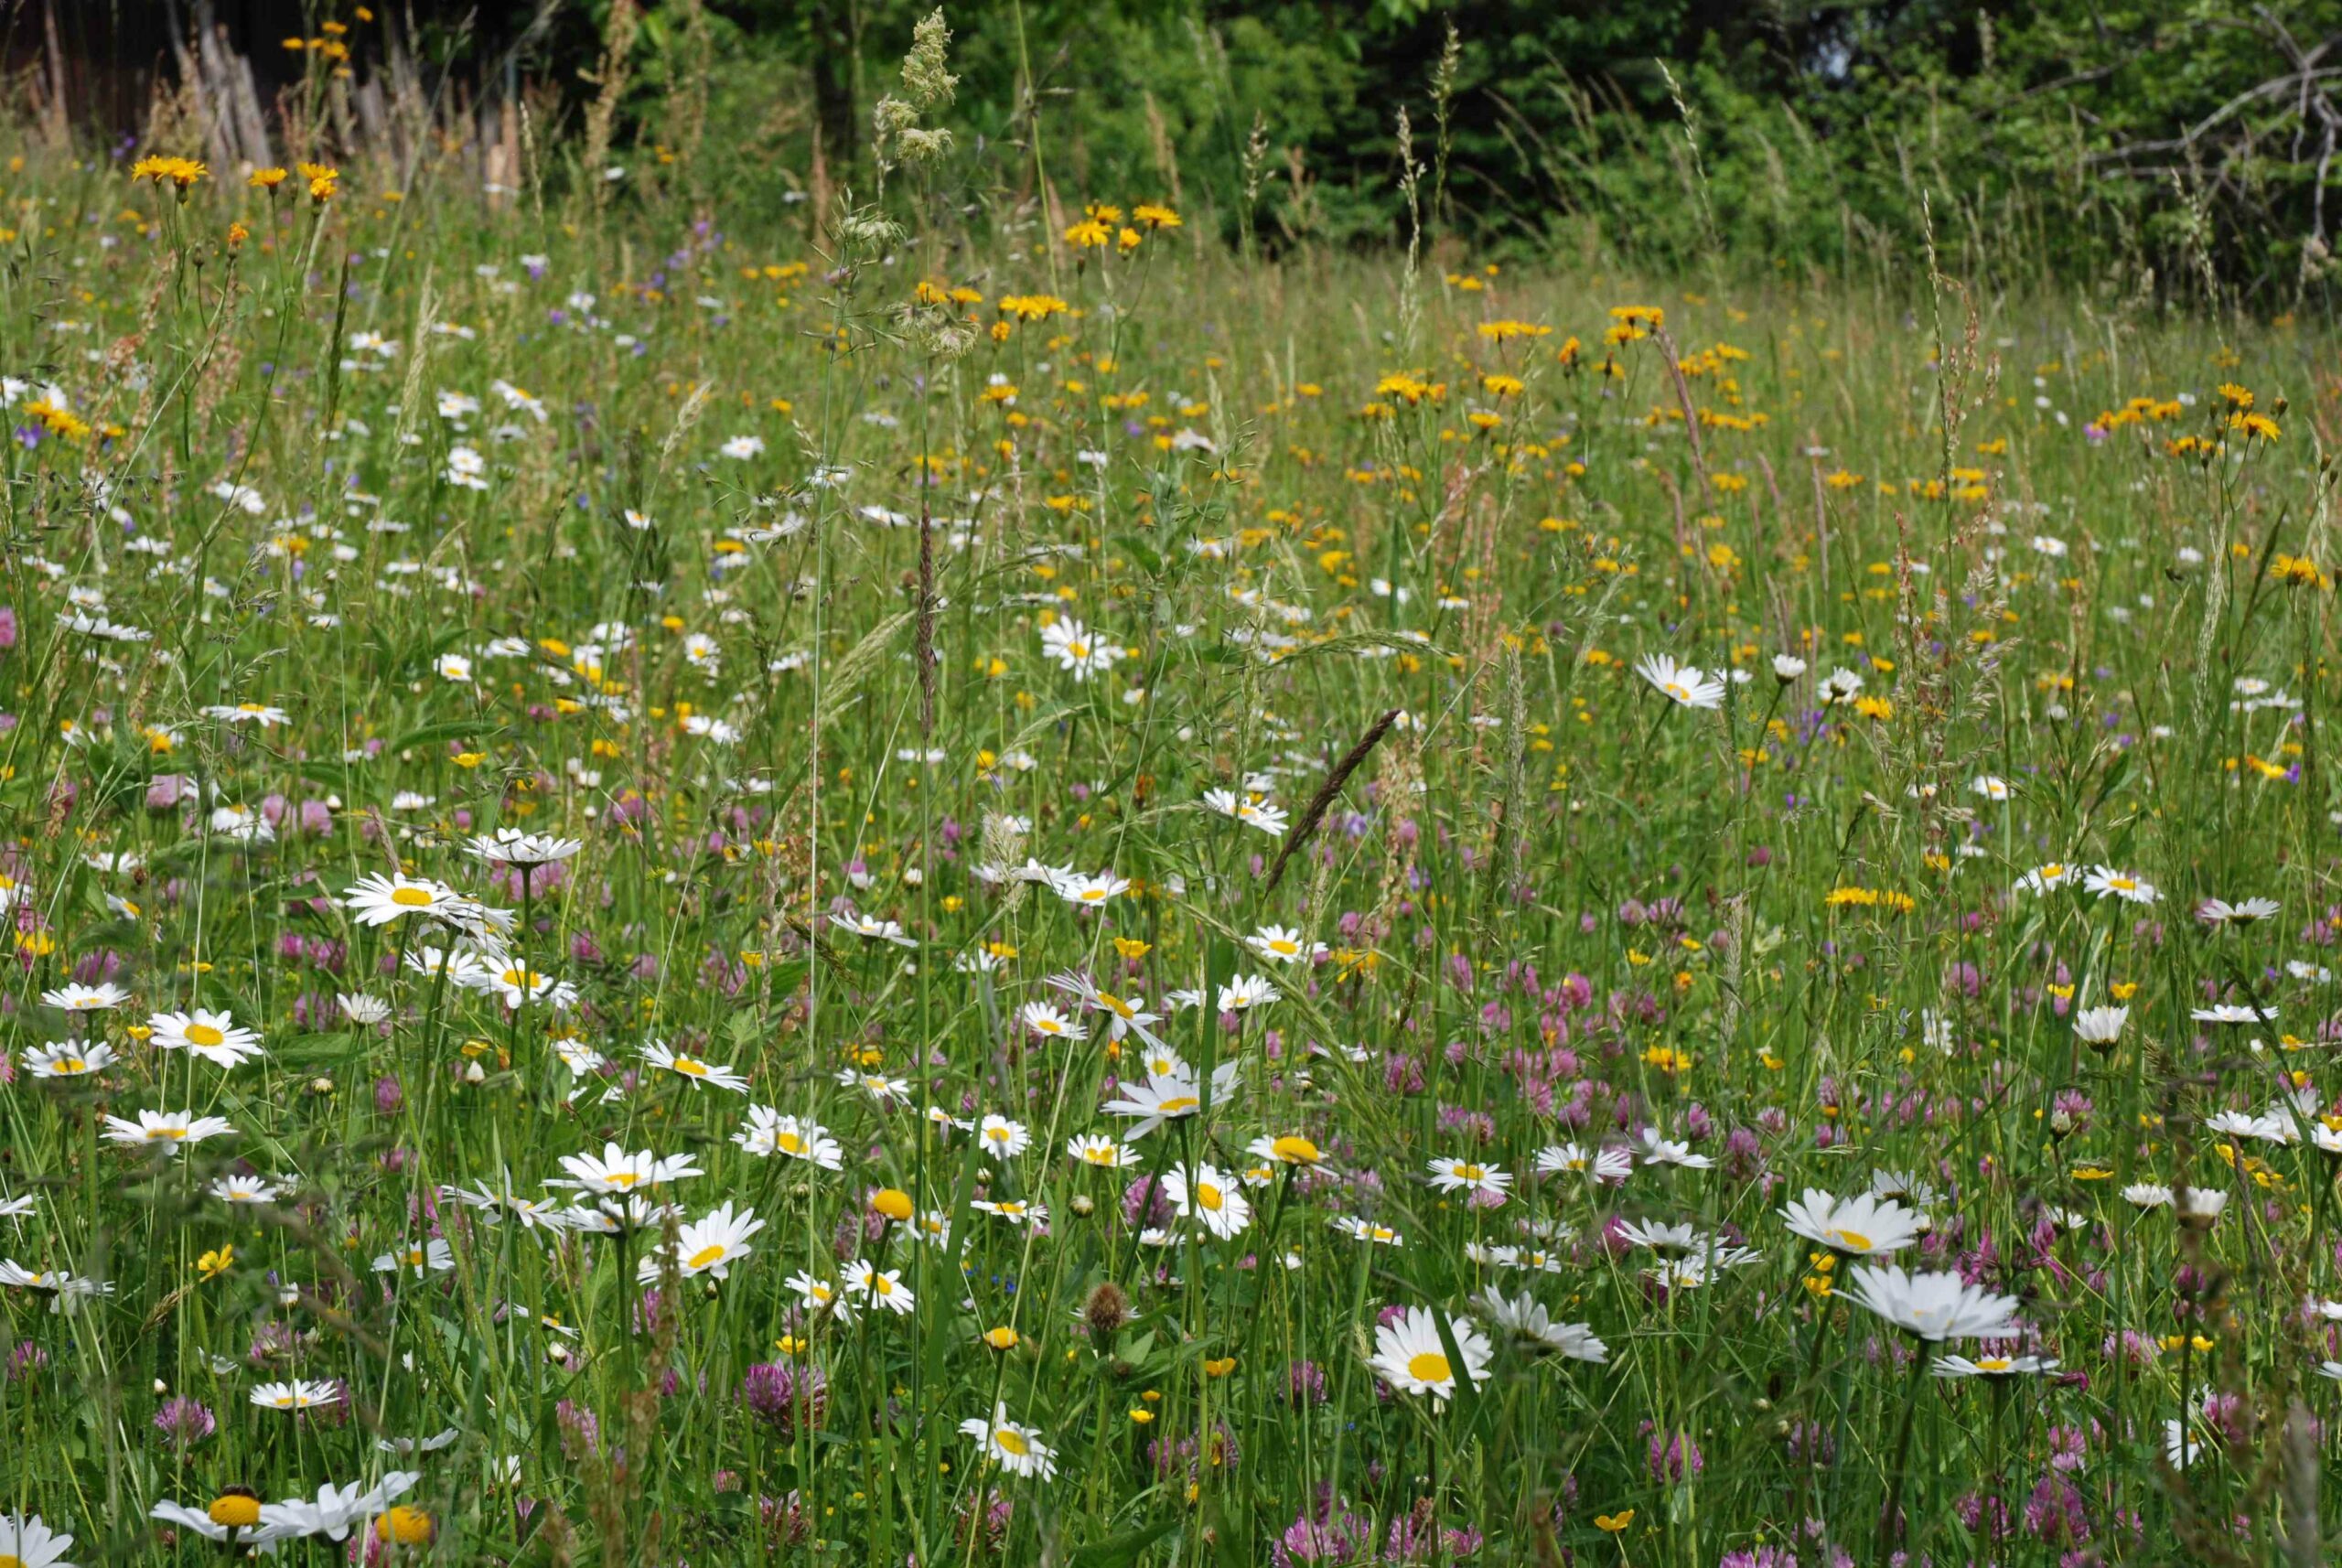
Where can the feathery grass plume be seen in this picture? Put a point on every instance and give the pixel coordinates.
(865, 234)
(843, 679)
(1698, 182)
(687, 416)
(897, 139)
(1443, 100)
(1254, 173)
(1002, 842)
(930, 86)
(619, 28)
(1165, 153)
(418, 360)
(1410, 179)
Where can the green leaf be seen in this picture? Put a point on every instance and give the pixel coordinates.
(1467, 1392)
(1120, 1551)
(321, 1049)
(1140, 551)
(324, 773)
(481, 730)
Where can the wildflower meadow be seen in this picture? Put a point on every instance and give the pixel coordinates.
(952, 882)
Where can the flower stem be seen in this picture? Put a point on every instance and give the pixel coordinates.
(1891, 1520)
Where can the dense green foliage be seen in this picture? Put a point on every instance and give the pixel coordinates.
(636, 858)
(984, 872)
(2133, 147)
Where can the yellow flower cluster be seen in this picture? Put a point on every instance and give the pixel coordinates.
(1031, 307)
(2301, 572)
(1409, 389)
(2141, 410)
(180, 172)
(59, 421)
(1870, 898)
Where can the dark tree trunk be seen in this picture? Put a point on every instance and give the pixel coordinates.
(833, 106)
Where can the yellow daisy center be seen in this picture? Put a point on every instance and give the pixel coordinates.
(1209, 1196)
(1178, 1104)
(409, 1526)
(233, 1511)
(790, 1144)
(1012, 1443)
(1298, 1150)
(1852, 1241)
(1428, 1367)
(204, 1035)
(690, 1069)
(704, 1256)
(410, 897)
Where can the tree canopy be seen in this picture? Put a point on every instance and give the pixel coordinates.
(2142, 147)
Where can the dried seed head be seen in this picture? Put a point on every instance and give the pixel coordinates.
(1108, 1310)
